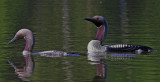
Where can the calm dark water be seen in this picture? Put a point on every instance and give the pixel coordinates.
(59, 25)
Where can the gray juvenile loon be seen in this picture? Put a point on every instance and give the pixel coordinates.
(102, 29)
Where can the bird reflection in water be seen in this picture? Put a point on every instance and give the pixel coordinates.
(99, 59)
(101, 66)
(24, 73)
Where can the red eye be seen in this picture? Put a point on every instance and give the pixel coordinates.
(97, 18)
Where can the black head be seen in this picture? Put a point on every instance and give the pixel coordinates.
(97, 20)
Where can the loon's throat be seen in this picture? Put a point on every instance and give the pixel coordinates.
(29, 44)
(100, 33)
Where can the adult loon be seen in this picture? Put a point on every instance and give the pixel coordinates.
(102, 29)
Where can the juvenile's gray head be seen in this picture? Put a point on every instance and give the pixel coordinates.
(27, 35)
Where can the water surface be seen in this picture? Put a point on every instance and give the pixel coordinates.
(59, 25)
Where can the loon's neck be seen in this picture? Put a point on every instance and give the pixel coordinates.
(95, 46)
(29, 42)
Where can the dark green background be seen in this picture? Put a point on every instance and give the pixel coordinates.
(59, 25)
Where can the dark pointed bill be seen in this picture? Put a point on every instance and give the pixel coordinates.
(11, 40)
(97, 23)
(89, 19)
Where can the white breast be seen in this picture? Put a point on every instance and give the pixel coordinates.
(26, 52)
(95, 46)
